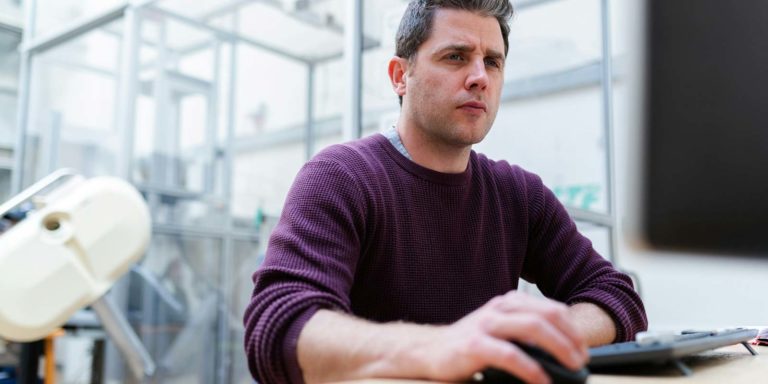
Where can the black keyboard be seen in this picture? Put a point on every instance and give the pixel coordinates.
(665, 348)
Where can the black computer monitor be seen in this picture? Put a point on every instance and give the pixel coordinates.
(705, 131)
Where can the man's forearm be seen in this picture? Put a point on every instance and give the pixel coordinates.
(595, 325)
(334, 346)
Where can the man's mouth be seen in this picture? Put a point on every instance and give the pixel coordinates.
(474, 105)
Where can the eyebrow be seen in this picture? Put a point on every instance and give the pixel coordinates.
(492, 53)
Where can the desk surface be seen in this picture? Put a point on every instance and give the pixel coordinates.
(732, 364)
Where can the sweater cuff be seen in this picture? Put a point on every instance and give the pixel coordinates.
(291, 343)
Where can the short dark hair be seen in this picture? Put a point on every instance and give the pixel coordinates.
(416, 24)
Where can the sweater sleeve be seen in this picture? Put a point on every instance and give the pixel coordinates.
(565, 266)
(309, 265)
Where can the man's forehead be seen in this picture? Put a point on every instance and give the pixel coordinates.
(465, 28)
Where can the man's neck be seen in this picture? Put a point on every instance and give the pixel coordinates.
(430, 153)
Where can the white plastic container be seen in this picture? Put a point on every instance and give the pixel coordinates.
(68, 254)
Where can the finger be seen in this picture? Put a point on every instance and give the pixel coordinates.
(532, 329)
(562, 319)
(554, 312)
(501, 354)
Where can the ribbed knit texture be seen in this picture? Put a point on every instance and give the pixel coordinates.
(366, 231)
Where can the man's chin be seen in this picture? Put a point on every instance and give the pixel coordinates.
(474, 136)
(465, 142)
(461, 136)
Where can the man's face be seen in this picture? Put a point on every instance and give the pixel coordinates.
(453, 85)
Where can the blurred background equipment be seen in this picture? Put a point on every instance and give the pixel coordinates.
(67, 252)
(67, 241)
(706, 142)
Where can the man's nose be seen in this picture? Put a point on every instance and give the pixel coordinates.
(477, 76)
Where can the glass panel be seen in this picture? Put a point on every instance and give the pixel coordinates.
(9, 73)
(380, 104)
(247, 256)
(8, 107)
(172, 305)
(67, 82)
(330, 87)
(381, 19)
(176, 118)
(379, 100)
(271, 105)
(600, 237)
(326, 140)
(5, 183)
(560, 138)
(535, 47)
(171, 207)
(11, 12)
(311, 30)
(624, 23)
(9, 61)
(181, 123)
(300, 33)
(271, 92)
(571, 151)
(53, 15)
(194, 9)
(261, 180)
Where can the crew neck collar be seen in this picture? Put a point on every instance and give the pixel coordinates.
(461, 178)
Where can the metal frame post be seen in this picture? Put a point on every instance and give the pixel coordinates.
(607, 75)
(212, 114)
(126, 111)
(22, 114)
(125, 123)
(309, 145)
(353, 52)
(224, 361)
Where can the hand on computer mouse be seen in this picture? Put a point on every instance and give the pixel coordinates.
(558, 374)
(481, 340)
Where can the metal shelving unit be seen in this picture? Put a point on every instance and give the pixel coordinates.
(177, 182)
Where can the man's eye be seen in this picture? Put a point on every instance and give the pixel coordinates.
(493, 63)
(455, 57)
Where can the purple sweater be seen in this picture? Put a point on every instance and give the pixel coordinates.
(366, 231)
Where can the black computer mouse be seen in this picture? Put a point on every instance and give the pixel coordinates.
(558, 374)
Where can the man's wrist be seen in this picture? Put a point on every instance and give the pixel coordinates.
(594, 323)
(411, 354)
(363, 349)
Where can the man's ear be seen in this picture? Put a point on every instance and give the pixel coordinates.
(398, 67)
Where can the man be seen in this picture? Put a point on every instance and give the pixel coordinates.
(399, 256)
